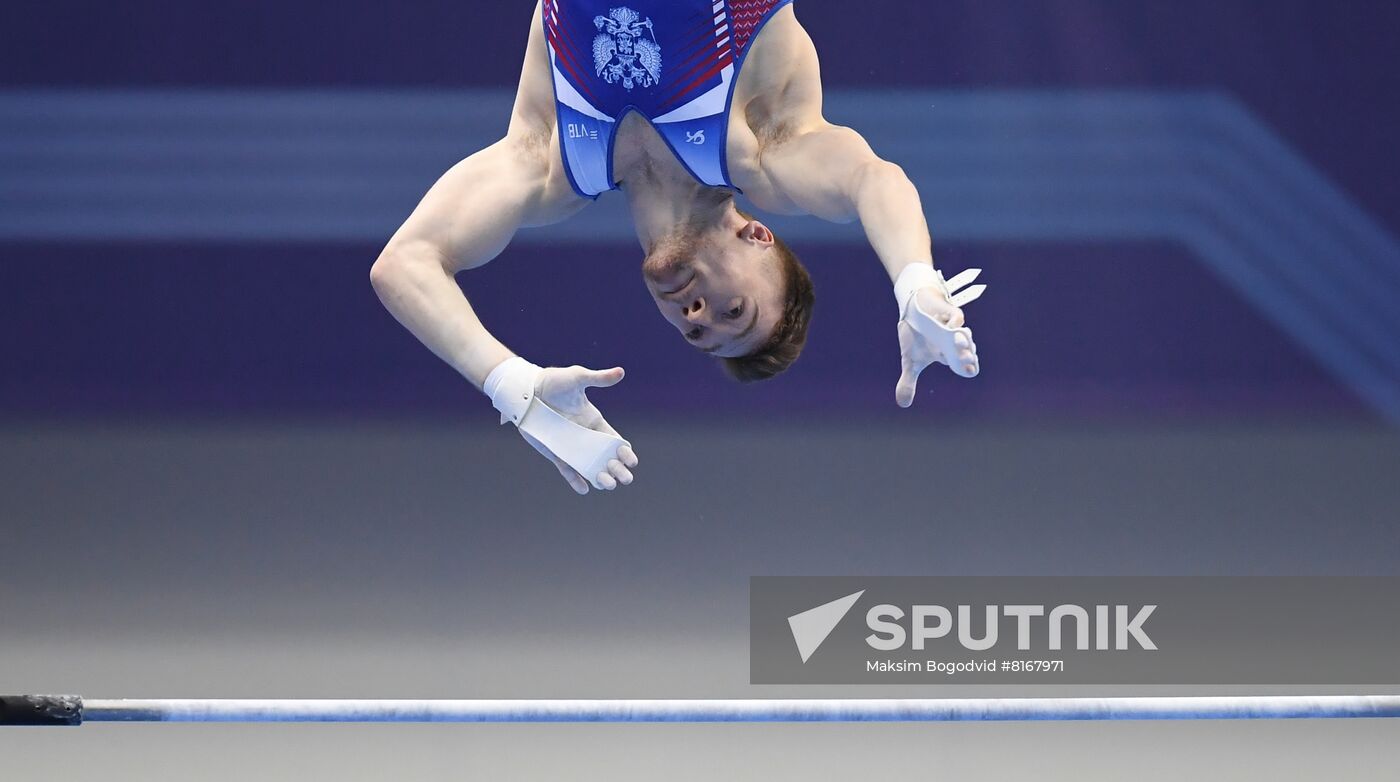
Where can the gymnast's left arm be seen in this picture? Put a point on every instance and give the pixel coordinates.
(830, 171)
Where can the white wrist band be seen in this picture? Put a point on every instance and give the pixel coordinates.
(511, 386)
(916, 276)
(913, 278)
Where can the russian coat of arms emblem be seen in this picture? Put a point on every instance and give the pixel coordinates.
(623, 53)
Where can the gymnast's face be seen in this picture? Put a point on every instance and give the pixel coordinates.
(721, 288)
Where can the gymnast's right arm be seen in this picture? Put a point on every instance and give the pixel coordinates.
(465, 220)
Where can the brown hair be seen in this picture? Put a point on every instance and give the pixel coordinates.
(790, 335)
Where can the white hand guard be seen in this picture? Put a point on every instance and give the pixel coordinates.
(941, 339)
(513, 387)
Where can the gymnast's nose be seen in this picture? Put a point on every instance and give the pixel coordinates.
(695, 309)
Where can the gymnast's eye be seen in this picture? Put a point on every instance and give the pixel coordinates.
(735, 312)
(694, 334)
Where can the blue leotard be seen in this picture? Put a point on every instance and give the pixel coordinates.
(674, 62)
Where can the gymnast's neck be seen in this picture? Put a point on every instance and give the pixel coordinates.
(664, 205)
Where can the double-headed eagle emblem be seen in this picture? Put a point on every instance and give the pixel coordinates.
(621, 53)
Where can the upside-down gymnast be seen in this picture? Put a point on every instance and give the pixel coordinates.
(680, 104)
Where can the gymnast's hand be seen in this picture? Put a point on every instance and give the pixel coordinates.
(564, 390)
(932, 330)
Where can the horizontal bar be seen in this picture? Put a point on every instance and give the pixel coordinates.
(794, 710)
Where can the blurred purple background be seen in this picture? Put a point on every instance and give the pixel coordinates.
(1087, 328)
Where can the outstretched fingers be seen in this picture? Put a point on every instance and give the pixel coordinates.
(566, 395)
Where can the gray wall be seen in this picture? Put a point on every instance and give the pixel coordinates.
(425, 560)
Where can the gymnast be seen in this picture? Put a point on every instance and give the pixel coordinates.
(680, 104)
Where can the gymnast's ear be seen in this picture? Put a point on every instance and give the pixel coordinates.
(754, 231)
